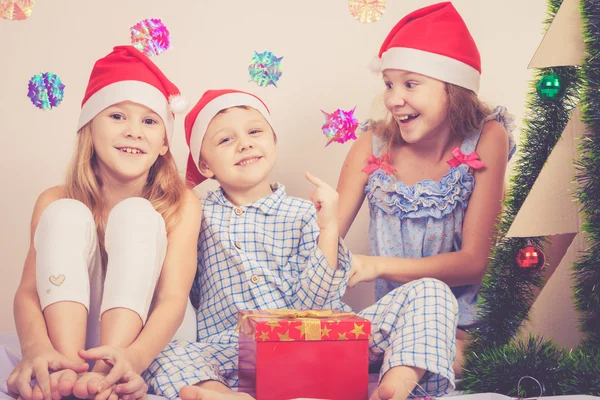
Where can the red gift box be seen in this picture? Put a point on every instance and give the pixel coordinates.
(287, 354)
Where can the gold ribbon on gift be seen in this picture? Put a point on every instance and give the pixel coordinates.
(311, 319)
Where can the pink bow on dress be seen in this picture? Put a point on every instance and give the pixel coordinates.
(472, 160)
(382, 162)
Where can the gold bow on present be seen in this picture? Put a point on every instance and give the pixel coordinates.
(299, 314)
(311, 319)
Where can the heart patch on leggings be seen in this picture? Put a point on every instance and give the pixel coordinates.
(57, 280)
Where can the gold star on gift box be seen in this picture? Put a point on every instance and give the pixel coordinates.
(358, 330)
(285, 337)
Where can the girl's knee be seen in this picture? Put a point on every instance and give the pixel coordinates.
(66, 215)
(135, 228)
(66, 230)
(136, 244)
(135, 213)
(133, 205)
(65, 244)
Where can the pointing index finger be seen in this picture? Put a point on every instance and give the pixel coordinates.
(314, 180)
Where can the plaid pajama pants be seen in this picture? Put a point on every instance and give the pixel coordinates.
(413, 325)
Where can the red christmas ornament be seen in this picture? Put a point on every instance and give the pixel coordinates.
(531, 258)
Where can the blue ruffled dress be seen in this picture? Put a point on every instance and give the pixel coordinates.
(425, 219)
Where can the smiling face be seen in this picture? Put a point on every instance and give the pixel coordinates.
(417, 103)
(127, 139)
(238, 149)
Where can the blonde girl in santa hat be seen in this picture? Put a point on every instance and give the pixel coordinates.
(433, 171)
(113, 249)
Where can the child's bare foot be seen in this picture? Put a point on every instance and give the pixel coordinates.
(87, 386)
(198, 393)
(385, 391)
(62, 383)
(398, 383)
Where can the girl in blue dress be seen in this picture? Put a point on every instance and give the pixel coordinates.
(433, 173)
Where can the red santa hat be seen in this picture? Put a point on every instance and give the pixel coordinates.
(128, 74)
(198, 119)
(433, 41)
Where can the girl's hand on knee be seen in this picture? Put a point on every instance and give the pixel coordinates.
(38, 364)
(363, 270)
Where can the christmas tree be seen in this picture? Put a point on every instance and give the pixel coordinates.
(539, 209)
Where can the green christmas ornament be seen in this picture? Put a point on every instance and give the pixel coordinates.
(550, 87)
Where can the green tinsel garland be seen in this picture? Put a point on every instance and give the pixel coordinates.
(586, 271)
(506, 292)
(499, 370)
(581, 373)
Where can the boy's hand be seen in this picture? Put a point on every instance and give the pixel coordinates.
(325, 199)
(363, 270)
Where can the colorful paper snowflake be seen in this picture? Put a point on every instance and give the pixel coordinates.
(367, 11)
(150, 36)
(46, 90)
(265, 68)
(339, 126)
(16, 10)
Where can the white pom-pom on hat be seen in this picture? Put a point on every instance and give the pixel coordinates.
(375, 65)
(177, 104)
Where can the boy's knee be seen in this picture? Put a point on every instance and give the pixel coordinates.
(431, 287)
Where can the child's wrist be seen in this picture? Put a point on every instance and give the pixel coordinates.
(35, 347)
(378, 268)
(135, 357)
(332, 231)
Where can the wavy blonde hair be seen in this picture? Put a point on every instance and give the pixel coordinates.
(465, 114)
(164, 188)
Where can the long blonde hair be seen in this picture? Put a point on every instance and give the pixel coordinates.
(164, 188)
(465, 114)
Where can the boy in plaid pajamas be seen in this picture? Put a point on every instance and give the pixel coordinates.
(261, 249)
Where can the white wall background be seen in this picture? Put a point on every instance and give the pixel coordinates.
(325, 53)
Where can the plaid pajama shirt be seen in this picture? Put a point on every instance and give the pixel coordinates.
(265, 256)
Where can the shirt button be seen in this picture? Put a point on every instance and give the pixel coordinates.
(254, 279)
(238, 245)
(238, 211)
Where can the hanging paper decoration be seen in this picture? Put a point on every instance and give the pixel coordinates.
(265, 68)
(340, 126)
(531, 258)
(46, 90)
(16, 10)
(367, 11)
(550, 87)
(150, 36)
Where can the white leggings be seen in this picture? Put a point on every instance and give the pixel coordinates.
(69, 265)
